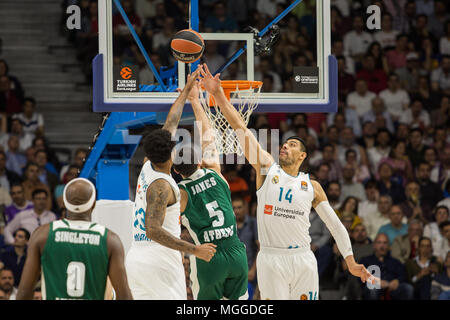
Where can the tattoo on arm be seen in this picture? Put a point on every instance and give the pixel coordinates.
(158, 195)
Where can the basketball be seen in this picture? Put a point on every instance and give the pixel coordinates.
(187, 46)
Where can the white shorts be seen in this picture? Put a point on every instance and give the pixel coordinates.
(155, 273)
(287, 274)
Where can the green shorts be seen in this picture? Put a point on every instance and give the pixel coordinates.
(225, 276)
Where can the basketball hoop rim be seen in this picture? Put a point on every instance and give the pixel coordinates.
(241, 84)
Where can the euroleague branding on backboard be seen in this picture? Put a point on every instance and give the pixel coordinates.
(126, 78)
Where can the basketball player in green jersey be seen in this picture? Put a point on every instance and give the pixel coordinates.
(76, 256)
(207, 213)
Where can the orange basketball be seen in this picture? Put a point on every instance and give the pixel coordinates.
(187, 46)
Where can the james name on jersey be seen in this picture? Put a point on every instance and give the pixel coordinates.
(203, 185)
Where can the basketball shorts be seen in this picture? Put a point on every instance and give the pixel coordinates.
(155, 273)
(287, 274)
(224, 277)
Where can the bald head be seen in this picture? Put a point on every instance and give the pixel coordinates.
(79, 196)
(79, 192)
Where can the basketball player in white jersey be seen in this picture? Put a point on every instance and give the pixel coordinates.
(287, 268)
(154, 263)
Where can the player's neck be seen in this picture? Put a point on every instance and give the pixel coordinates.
(78, 216)
(162, 167)
(292, 169)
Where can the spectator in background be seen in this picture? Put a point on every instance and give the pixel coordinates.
(395, 228)
(443, 245)
(25, 139)
(31, 183)
(415, 116)
(15, 159)
(397, 58)
(387, 35)
(361, 243)
(409, 75)
(71, 174)
(440, 77)
(32, 121)
(19, 203)
(351, 118)
(422, 269)
(444, 42)
(367, 140)
(413, 207)
(387, 185)
(393, 274)
(430, 156)
(346, 81)
(360, 100)
(416, 148)
(370, 205)
(15, 255)
(431, 230)
(7, 284)
(362, 172)
(440, 116)
(349, 187)
(399, 162)
(380, 150)
(357, 40)
(378, 109)
(440, 286)
(334, 194)
(328, 158)
(236, 183)
(247, 231)
(322, 174)
(395, 99)
(374, 221)
(9, 101)
(348, 213)
(7, 178)
(16, 86)
(31, 219)
(46, 175)
(376, 79)
(441, 174)
(437, 21)
(405, 247)
(78, 160)
(219, 21)
(430, 192)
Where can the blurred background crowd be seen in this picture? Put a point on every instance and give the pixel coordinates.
(383, 158)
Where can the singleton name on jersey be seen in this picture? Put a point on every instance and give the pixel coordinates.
(203, 185)
(78, 238)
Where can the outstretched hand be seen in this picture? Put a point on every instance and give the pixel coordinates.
(358, 270)
(209, 82)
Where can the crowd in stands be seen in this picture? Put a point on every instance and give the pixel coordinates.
(31, 177)
(383, 158)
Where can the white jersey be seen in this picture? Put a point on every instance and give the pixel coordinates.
(155, 272)
(284, 205)
(172, 218)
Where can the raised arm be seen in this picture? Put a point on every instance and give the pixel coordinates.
(338, 231)
(210, 156)
(159, 195)
(174, 116)
(255, 154)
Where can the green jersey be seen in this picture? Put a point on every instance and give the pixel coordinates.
(75, 261)
(209, 215)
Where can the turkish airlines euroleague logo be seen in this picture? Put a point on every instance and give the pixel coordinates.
(126, 73)
(126, 78)
(268, 209)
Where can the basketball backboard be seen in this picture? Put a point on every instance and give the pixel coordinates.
(135, 71)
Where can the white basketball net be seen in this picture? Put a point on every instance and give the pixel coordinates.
(225, 137)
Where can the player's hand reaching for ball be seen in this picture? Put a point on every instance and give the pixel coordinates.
(192, 80)
(205, 251)
(210, 83)
(194, 94)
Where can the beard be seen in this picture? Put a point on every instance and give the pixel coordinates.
(333, 197)
(286, 161)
